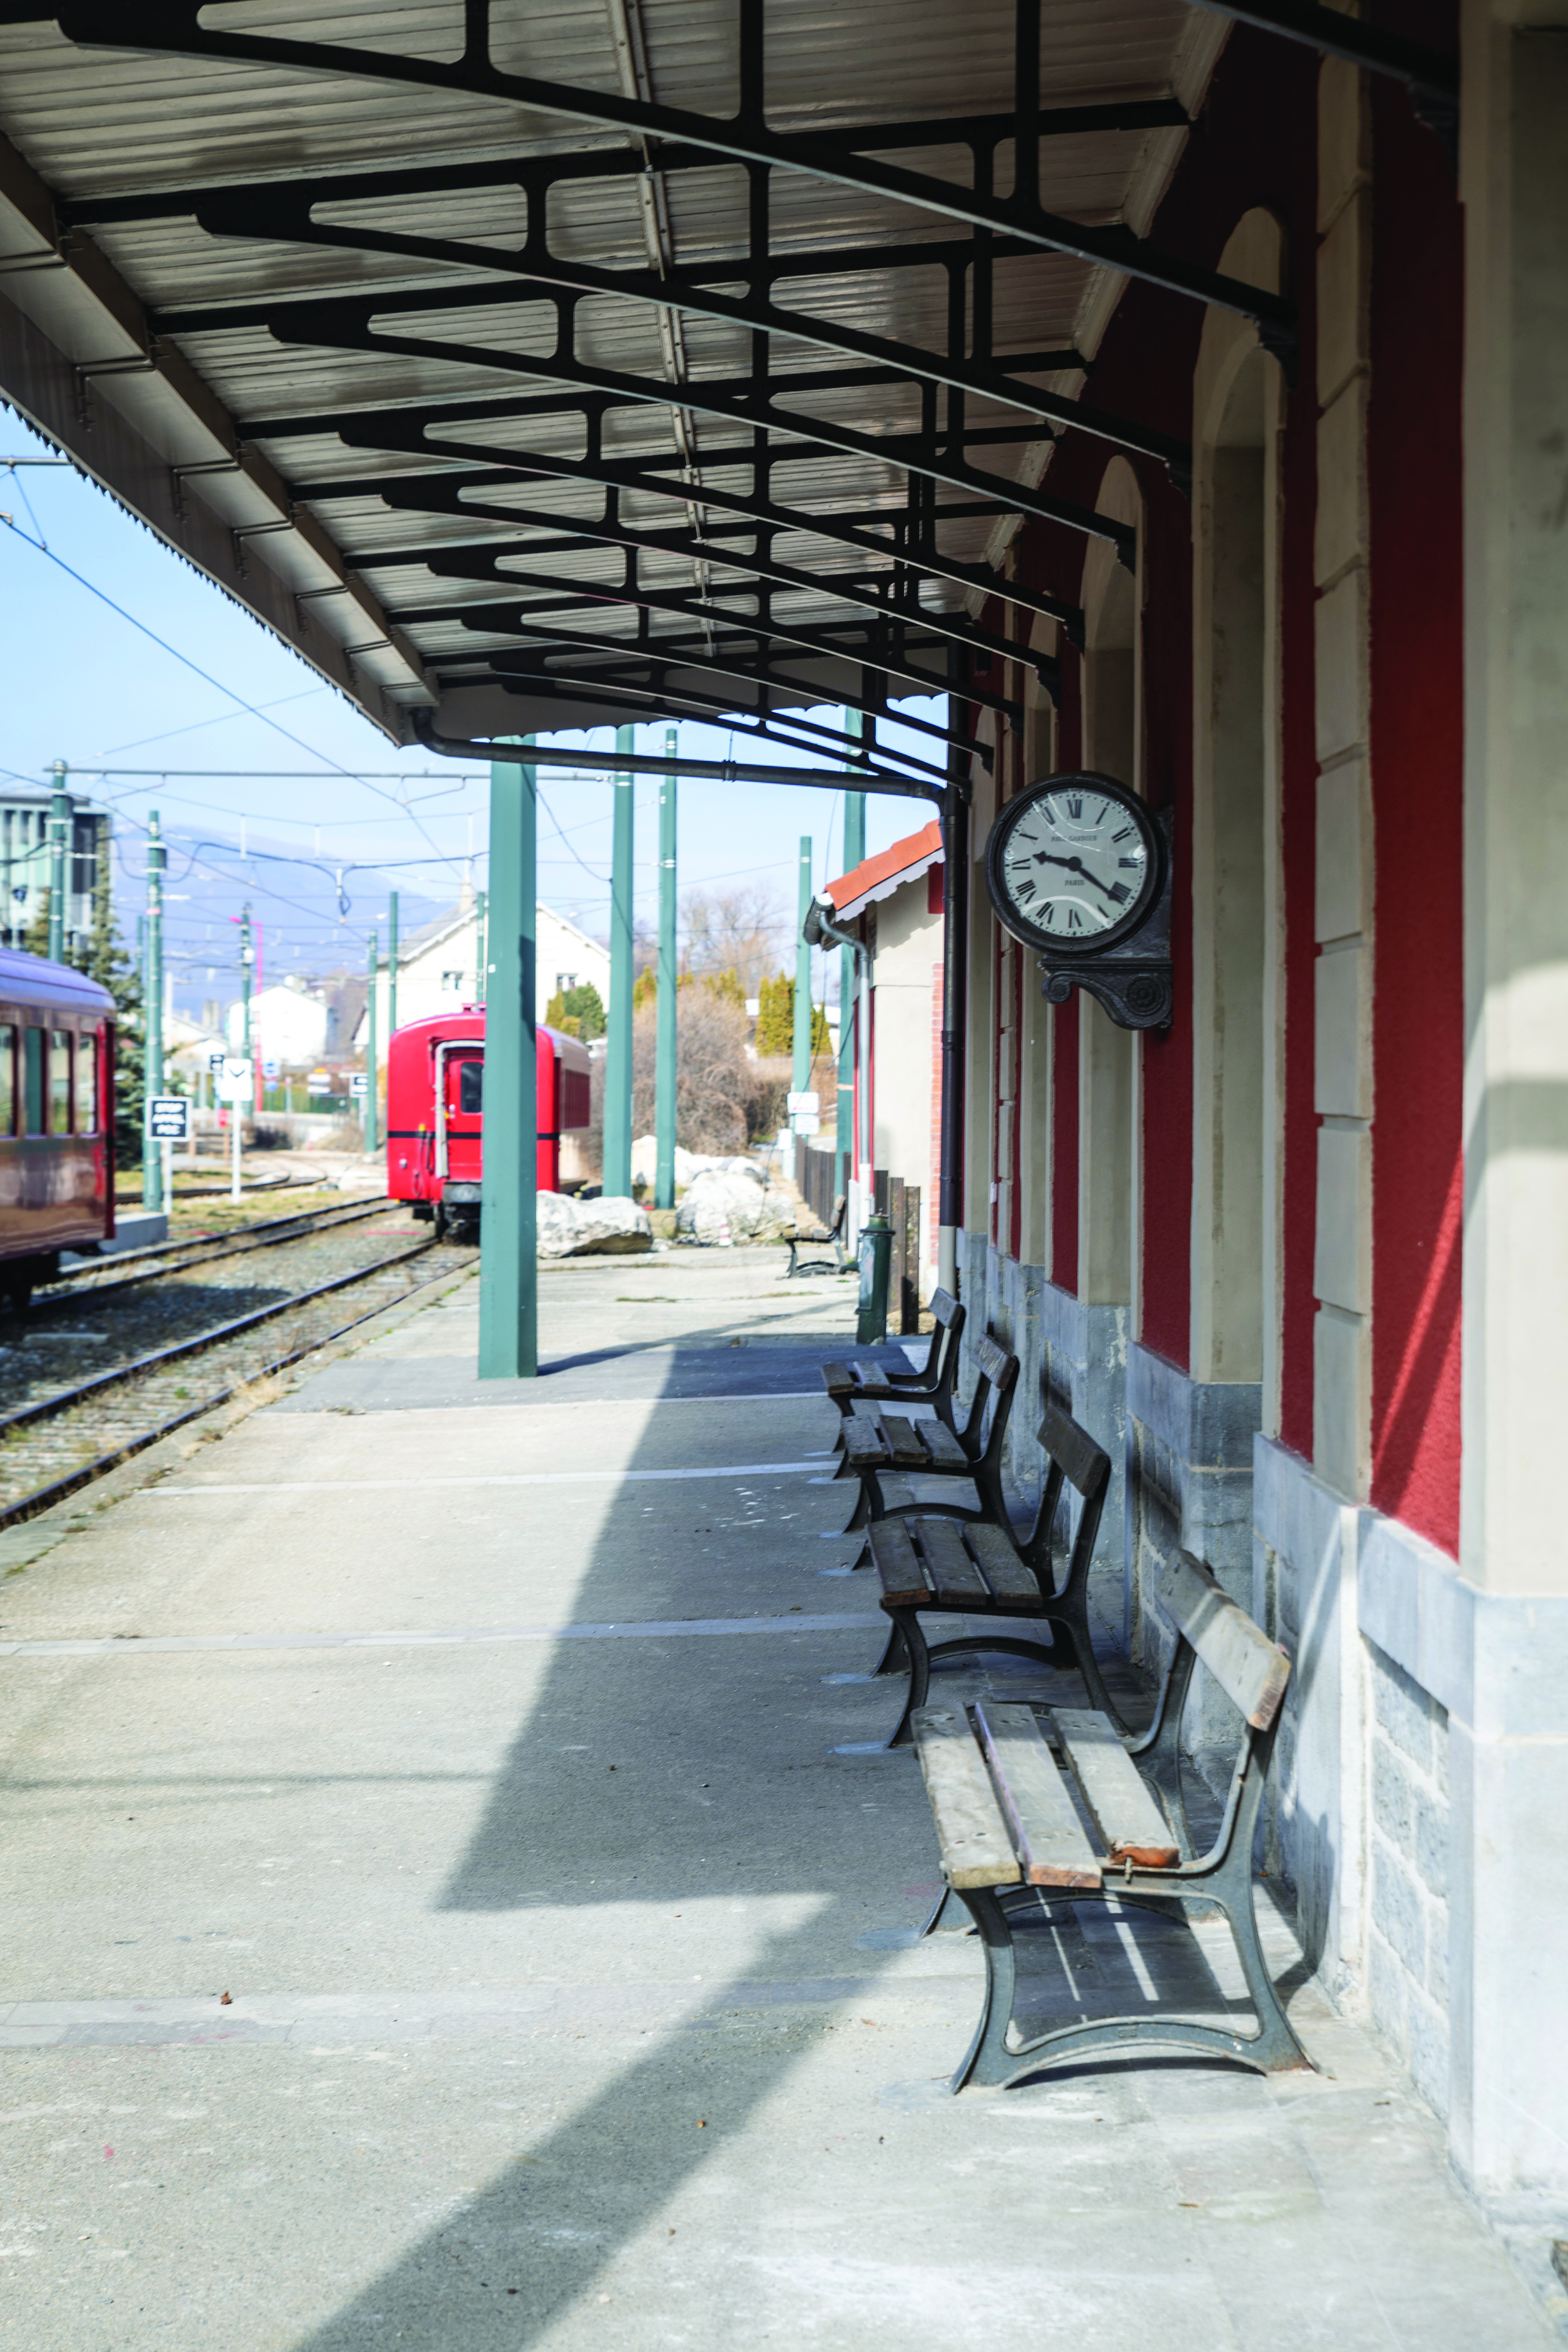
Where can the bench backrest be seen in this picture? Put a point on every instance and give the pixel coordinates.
(1250, 1669)
(1072, 1458)
(944, 1308)
(997, 1371)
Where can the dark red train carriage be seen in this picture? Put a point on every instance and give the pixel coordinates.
(56, 1118)
(435, 1104)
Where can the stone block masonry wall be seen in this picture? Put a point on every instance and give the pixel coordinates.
(1407, 1938)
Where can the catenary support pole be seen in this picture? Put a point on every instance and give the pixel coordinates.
(665, 1074)
(509, 1229)
(371, 1122)
(954, 998)
(59, 836)
(392, 966)
(152, 1059)
(481, 944)
(800, 1064)
(854, 851)
(617, 1170)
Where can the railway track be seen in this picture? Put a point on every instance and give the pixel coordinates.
(106, 1276)
(53, 1446)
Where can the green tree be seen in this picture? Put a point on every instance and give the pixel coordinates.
(775, 1019)
(576, 1012)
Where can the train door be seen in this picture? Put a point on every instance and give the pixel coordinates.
(463, 1103)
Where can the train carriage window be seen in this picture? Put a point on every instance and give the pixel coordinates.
(59, 1082)
(471, 1088)
(32, 1081)
(7, 1078)
(86, 1085)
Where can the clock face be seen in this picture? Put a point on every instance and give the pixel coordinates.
(1074, 864)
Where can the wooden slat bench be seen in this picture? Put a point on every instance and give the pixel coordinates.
(877, 1442)
(932, 1384)
(943, 1567)
(832, 1237)
(1011, 1785)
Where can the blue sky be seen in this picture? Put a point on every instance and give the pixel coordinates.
(85, 685)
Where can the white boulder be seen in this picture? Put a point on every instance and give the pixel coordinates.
(569, 1228)
(732, 1203)
(689, 1165)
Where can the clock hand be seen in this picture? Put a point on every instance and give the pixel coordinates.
(1074, 865)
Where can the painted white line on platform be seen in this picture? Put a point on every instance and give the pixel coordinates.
(499, 1478)
(656, 1630)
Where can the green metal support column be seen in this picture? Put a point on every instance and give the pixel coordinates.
(668, 981)
(153, 1067)
(481, 949)
(617, 1170)
(854, 851)
(247, 964)
(371, 1108)
(392, 966)
(801, 1079)
(509, 1228)
(59, 834)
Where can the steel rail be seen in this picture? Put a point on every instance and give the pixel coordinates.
(176, 1257)
(41, 1498)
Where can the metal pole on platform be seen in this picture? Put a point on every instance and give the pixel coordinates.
(153, 1057)
(60, 833)
(853, 852)
(668, 981)
(955, 991)
(392, 965)
(800, 1074)
(481, 950)
(509, 1229)
(372, 1123)
(617, 1169)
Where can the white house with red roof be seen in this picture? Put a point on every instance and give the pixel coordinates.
(893, 903)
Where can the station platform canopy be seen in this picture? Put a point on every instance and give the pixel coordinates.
(530, 367)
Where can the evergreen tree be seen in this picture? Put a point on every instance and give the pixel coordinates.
(775, 1020)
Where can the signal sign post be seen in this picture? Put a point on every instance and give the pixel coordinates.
(236, 1087)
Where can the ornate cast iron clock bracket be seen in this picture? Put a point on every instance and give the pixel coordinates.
(1132, 980)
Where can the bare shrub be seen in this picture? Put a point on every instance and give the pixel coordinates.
(741, 930)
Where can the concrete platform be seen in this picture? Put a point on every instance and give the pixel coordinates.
(478, 1742)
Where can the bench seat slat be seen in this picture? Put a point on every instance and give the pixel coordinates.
(942, 1449)
(952, 1572)
(838, 1376)
(1034, 1798)
(1248, 1667)
(863, 1445)
(976, 1850)
(900, 1569)
(1013, 1585)
(902, 1443)
(1129, 1820)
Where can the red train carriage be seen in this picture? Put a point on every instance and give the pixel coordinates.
(434, 1095)
(56, 1118)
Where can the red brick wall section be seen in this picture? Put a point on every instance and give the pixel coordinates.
(1414, 458)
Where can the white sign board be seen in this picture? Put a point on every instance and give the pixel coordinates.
(795, 1103)
(168, 1118)
(269, 1070)
(358, 1083)
(806, 1122)
(215, 1063)
(319, 1082)
(236, 1078)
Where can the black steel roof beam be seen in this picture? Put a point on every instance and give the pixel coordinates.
(438, 493)
(279, 220)
(844, 155)
(346, 327)
(102, 210)
(765, 624)
(1431, 76)
(875, 596)
(796, 734)
(666, 655)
